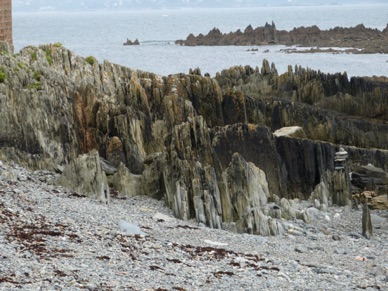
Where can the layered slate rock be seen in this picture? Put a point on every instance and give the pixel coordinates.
(203, 145)
(367, 40)
(85, 176)
(367, 228)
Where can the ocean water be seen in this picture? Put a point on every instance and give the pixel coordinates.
(102, 35)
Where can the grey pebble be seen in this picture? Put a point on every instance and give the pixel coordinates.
(123, 246)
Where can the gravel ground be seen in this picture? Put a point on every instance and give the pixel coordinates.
(54, 239)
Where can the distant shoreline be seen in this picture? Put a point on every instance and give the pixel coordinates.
(19, 9)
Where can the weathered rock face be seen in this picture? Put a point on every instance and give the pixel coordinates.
(370, 178)
(379, 202)
(312, 100)
(84, 175)
(204, 145)
(368, 39)
(248, 192)
(125, 182)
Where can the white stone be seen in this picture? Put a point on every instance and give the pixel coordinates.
(129, 228)
(162, 216)
(291, 131)
(214, 243)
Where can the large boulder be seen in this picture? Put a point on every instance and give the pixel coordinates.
(85, 176)
(370, 177)
(379, 202)
(126, 183)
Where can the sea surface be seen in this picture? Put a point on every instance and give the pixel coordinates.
(102, 34)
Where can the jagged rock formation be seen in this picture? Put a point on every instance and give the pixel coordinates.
(84, 175)
(204, 145)
(130, 42)
(367, 39)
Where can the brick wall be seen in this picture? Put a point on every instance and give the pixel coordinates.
(6, 21)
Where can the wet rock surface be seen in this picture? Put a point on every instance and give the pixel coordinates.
(364, 40)
(51, 238)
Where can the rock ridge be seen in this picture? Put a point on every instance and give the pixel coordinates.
(203, 145)
(366, 40)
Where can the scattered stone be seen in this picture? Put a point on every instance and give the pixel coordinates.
(214, 243)
(76, 239)
(292, 131)
(317, 204)
(301, 249)
(129, 228)
(355, 235)
(295, 232)
(162, 217)
(336, 237)
(59, 169)
(324, 270)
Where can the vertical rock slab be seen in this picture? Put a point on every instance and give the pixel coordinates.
(255, 144)
(367, 230)
(320, 196)
(84, 175)
(126, 183)
(248, 191)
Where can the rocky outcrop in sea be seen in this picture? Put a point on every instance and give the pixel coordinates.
(360, 38)
(130, 42)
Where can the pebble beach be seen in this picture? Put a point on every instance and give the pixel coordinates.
(52, 238)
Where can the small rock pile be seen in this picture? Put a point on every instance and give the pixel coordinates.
(52, 238)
